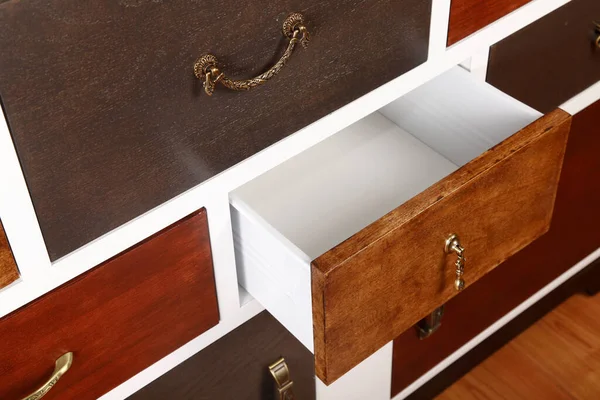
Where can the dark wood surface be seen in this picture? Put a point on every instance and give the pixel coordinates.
(382, 280)
(109, 121)
(469, 16)
(117, 319)
(236, 367)
(573, 234)
(8, 269)
(548, 62)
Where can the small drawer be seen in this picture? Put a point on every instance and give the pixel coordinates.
(116, 319)
(118, 122)
(8, 269)
(237, 367)
(469, 16)
(345, 243)
(553, 59)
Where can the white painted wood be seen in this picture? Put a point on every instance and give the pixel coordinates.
(479, 64)
(498, 324)
(369, 380)
(438, 33)
(299, 210)
(582, 100)
(459, 116)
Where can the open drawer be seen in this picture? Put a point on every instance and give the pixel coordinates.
(345, 244)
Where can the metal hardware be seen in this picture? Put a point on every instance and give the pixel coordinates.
(428, 325)
(452, 245)
(205, 68)
(61, 367)
(598, 33)
(280, 372)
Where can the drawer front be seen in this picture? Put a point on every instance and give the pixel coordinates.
(574, 230)
(117, 123)
(381, 281)
(116, 319)
(551, 60)
(237, 367)
(469, 16)
(8, 269)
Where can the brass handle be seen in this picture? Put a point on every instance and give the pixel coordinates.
(598, 33)
(453, 246)
(281, 373)
(61, 367)
(206, 69)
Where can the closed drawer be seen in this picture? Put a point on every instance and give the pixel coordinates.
(551, 60)
(116, 319)
(237, 367)
(117, 121)
(8, 269)
(469, 16)
(344, 244)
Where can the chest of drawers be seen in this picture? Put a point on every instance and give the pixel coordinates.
(353, 180)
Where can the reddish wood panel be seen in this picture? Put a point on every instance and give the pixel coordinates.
(117, 319)
(116, 123)
(573, 234)
(469, 16)
(381, 281)
(8, 269)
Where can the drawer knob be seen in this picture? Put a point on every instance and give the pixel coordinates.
(598, 33)
(281, 373)
(63, 363)
(206, 67)
(453, 246)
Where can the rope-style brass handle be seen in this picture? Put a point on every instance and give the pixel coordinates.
(206, 69)
(452, 245)
(61, 367)
(280, 372)
(598, 33)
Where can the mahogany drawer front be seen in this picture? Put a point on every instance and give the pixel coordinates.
(117, 121)
(116, 319)
(8, 269)
(236, 367)
(376, 282)
(551, 60)
(574, 230)
(469, 16)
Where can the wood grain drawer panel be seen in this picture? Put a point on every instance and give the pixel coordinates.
(372, 207)
(236, 367)
(551, 60)
(8, 269)
(117, 319)
(574, 230)
(469, 16)
(116, 123)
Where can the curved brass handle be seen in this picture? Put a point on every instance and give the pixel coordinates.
(452, 245)
(598, 32)
(206, 69)
(62, 365)
(280, 372)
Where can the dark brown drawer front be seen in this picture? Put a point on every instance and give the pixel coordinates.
(236, 367)
(109, 120)
(8, 269)
(469, 16)
(116, 319)
(548, 62)
(574, 230)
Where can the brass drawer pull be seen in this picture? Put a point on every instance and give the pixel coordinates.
(61, 367)
(453, 246)
(280, 372)
(598, 33)
(206, 69)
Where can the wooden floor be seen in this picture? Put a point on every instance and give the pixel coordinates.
(557, 358)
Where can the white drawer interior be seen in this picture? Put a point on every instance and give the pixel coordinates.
(294, 213)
